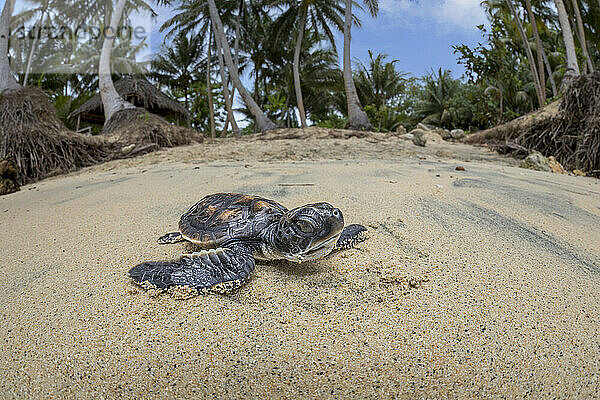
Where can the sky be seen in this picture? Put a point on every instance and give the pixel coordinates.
(418, 33)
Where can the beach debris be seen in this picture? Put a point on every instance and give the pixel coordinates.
(296, 184)
(536, 161)
(407, 136)
(578, 172)
(230, 228)
(459, 168)
(8, 176)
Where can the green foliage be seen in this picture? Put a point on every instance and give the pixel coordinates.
(200, 113)
(333, 121)
(380, 86)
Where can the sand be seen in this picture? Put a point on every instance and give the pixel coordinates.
(477, 283)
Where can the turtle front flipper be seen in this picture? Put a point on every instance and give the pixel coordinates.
(350, 236)
(170, 238)
(217, 270)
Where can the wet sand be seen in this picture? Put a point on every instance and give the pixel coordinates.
(475, 283)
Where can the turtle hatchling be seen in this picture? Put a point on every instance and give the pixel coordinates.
(234, 230)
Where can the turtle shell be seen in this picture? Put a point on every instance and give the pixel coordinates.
(224, 217)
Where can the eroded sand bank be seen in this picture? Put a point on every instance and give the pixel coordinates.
(477, 283)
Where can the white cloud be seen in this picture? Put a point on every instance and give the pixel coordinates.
(440, 15)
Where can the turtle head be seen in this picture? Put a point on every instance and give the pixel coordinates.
(308, 232)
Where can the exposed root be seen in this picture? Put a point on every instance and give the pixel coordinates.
(571, 134)
(146, 131)
(38, 141)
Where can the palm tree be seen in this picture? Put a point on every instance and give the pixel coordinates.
(226, 94)
(263, 123)
(534, 71)
(539, 50)
(581, 35)
(435, 106)
(320, 14)
(563, 18)
(319, 74)
(111, 100)
(211, 107)
(176, 66)
(7, 79)
(357, 118)
(379, 83)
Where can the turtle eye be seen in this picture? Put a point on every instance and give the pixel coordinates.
(304, 227)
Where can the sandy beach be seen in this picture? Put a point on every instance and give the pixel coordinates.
(482, 283)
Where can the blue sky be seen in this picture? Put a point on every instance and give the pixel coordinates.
(419, 34)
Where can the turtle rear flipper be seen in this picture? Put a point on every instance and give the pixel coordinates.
(170, 238)
(217, 270)
(350, 236)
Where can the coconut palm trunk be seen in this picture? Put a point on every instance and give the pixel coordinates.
(296, 67)
(532, 66)
(263, 123)
(581, 35)
(111, 100)
(211, 107)
(563, 18)
(7, 79)
(540, 50)
(550, 74)
(34, 44)
(228, 99)
(357, 117)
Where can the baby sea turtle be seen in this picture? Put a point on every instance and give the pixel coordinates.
(235, 229)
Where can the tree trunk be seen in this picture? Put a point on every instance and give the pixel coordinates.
(225, 85)
(263, 123)
(211, 109)
(7, 79)
(563, 18)
(550, 74)
(501, 104)
(296, 66)
(111, 100)
(540, 49)
(236, 47)
(582, 36)
(34, 43)
(534, 73)
(357, 118)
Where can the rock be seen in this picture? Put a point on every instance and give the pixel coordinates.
(555, 166)
(419, 137)
(457, 134)
(400, 130)
(8, 176)
(536, 161)
(429, 135)
(446, 135)
(407, 136)
(460, 168)
(578, 172)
